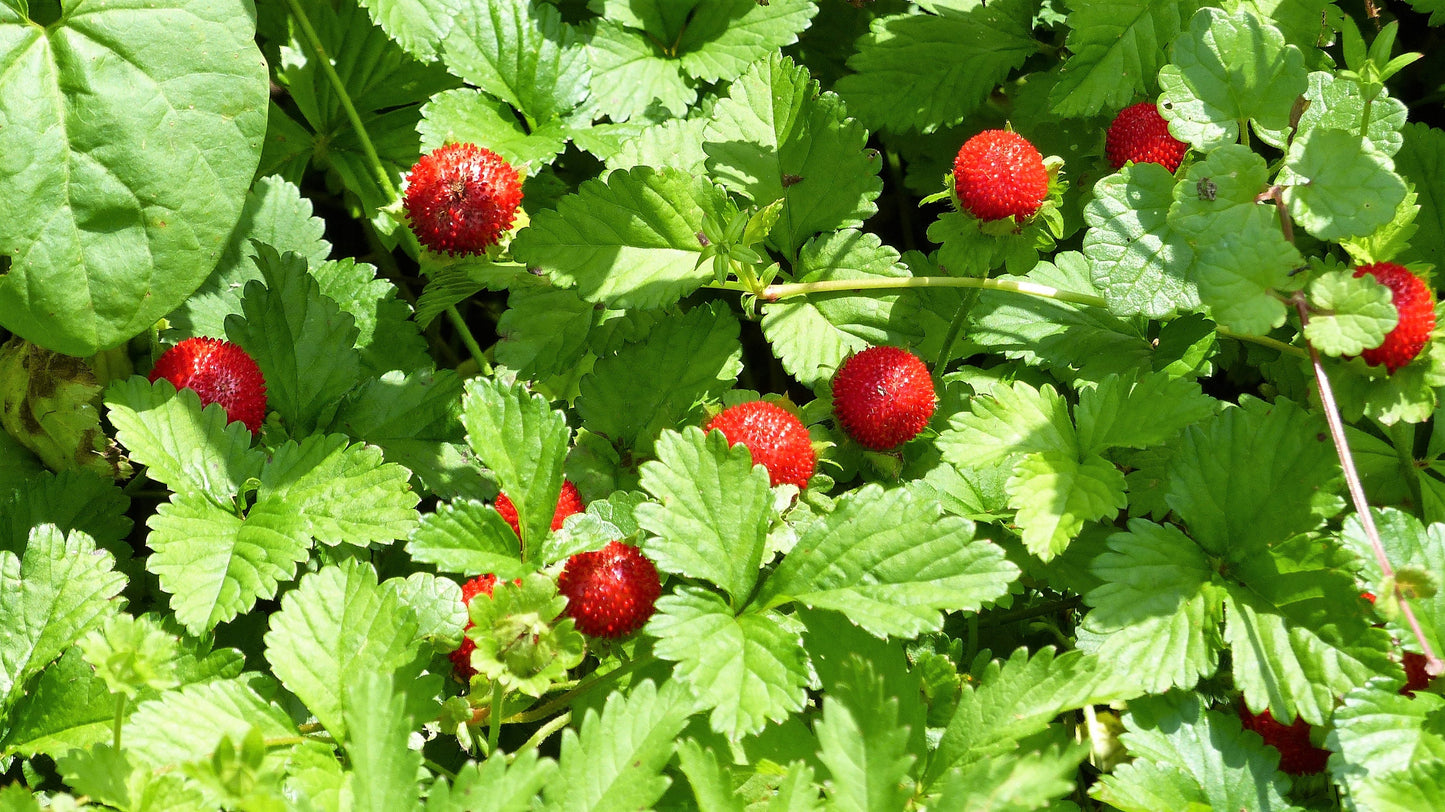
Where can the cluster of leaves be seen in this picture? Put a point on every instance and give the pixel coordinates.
(1126, 520)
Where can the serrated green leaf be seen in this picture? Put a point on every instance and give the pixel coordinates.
(1139, 261)
(58, 589)
(67, 707)
(131, 654)
(1110, 41)
(437, 603)
(677, 143)
(388, 338)
(1338, 103)
(1138, 413)
(496, 784)
(1378, 734)
(1227, 70)
(468, 538)
(523, 441)
(1027, 780)
(812, 336)
(1017, 419)
(73, 500)
(1056, 492)
(346, 494)
(337, 622)
(17, 464)
(660, 381)
(863, 745)
(215, 564)
(631, 241)
(1421, 161)
(47, 405)
(188, 724)
(521, 52)
(776, 137)
(383, 766)
(617, 758)
(713, 511)
(922, 72)
(1351, 314)
(466, 115)
(630, 76)
(1337, 187)
(1407, 543)
(416, 25)
(891, 563)
(747, 669)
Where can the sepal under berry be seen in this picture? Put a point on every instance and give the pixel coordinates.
(521, 639)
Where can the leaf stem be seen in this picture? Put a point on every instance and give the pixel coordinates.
(583, 687)
(543, 733)
(494, 722)
(119, 720)
(954, 328)
(469, 340)
(1434, 665)
(905, 207)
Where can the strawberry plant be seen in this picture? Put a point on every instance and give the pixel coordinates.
(801, 404)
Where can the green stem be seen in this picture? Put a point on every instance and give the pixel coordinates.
(439, 769)
(494, 727)
(543, 733)
(1263, 341)
(469, 340)
(309, 35)
(1402, 437)
(905, 206)
(583, 687)
(1031, 612)
(954, 328)
(119, 720)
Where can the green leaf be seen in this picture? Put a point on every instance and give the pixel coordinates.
(1337, 187)
(523, 441)
(131, 654)
(813, 335)
(416, 25)
(660, 381)
(303, 342)
(188, 725)
(631, 241)
(1156, 608)
(47, 405)
(346, 494)
(617, 758)
(388, 337)
(922, 72)
(497, 784)
(215, 564)
(108, 227)
(1351, 314)
(1252, 477)
(17, 464)
(1407, 543)
(1421, 161)
(72, 500)
(338, 622)
(1338, 103)
(548, 330)
(712, 513)
(1186, 757)
(1115, 50)
(60, 588)
(1056, 492)
(1379, 735)
(1017, 419)
(863, 745)
(521, 643)
(1138, 413)
(1139, 261)
(437, 602)
(776, 137)
(1027, 780)
(521, 52)
(67, 707)
(466, 115)
(604, 520)
(747, 669)
(468, 538)
(677, 143)
(383, 766)
(891, 562)
(630, 77)
(1227, 70)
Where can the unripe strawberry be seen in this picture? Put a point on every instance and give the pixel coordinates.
(1297, 755)
(999, 174)
(610, 592)
(569, 501)
(1141, 135)
(775, 437)
(883, 397)
(220, 372)
(1415, 302)
(462, 198)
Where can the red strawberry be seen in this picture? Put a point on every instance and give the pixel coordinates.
(883, 397)
(1297, 756)
(1415, 302)
(775, 436)
(999, 174)
(462, 198)
(462, 657)
(1416, 678)
(569, 501)
(1141, 135)
(611, 592)
(220, 372)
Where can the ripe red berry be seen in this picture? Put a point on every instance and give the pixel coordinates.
(775, 436)
(462, 657)
(1141, 135)
(569, 501)
(1297, 756)
(883, 397)
(220, 372)
(610, 592)
(999, 174)
(462, 198)
(1415, 302)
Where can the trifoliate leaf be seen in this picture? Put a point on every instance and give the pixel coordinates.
(383, 766)
(1337, 186)
(346, 493)
(747, 669)
(523, 441)
(337, 622)
(521, 52)
(1225, 70)
(925, 71)
(1139, 260)
(1116, 48)
(615, 760)
(131, 654)
(188, 724)
(629, 76)
(466, 115)
(1017, 419)
(496, 784)
(863, 744)
(713, 511)
(631, 241)
(891, 563)
(1186, 757)
(1350, 314)
(776, 137)
(813, 335)
(662, 380)
(1338, 103)
(58, 589)
(523, 642)
(468, 538)
(1159, 615)
(1056, 492)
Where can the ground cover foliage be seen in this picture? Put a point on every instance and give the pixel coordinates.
(1126, 531)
